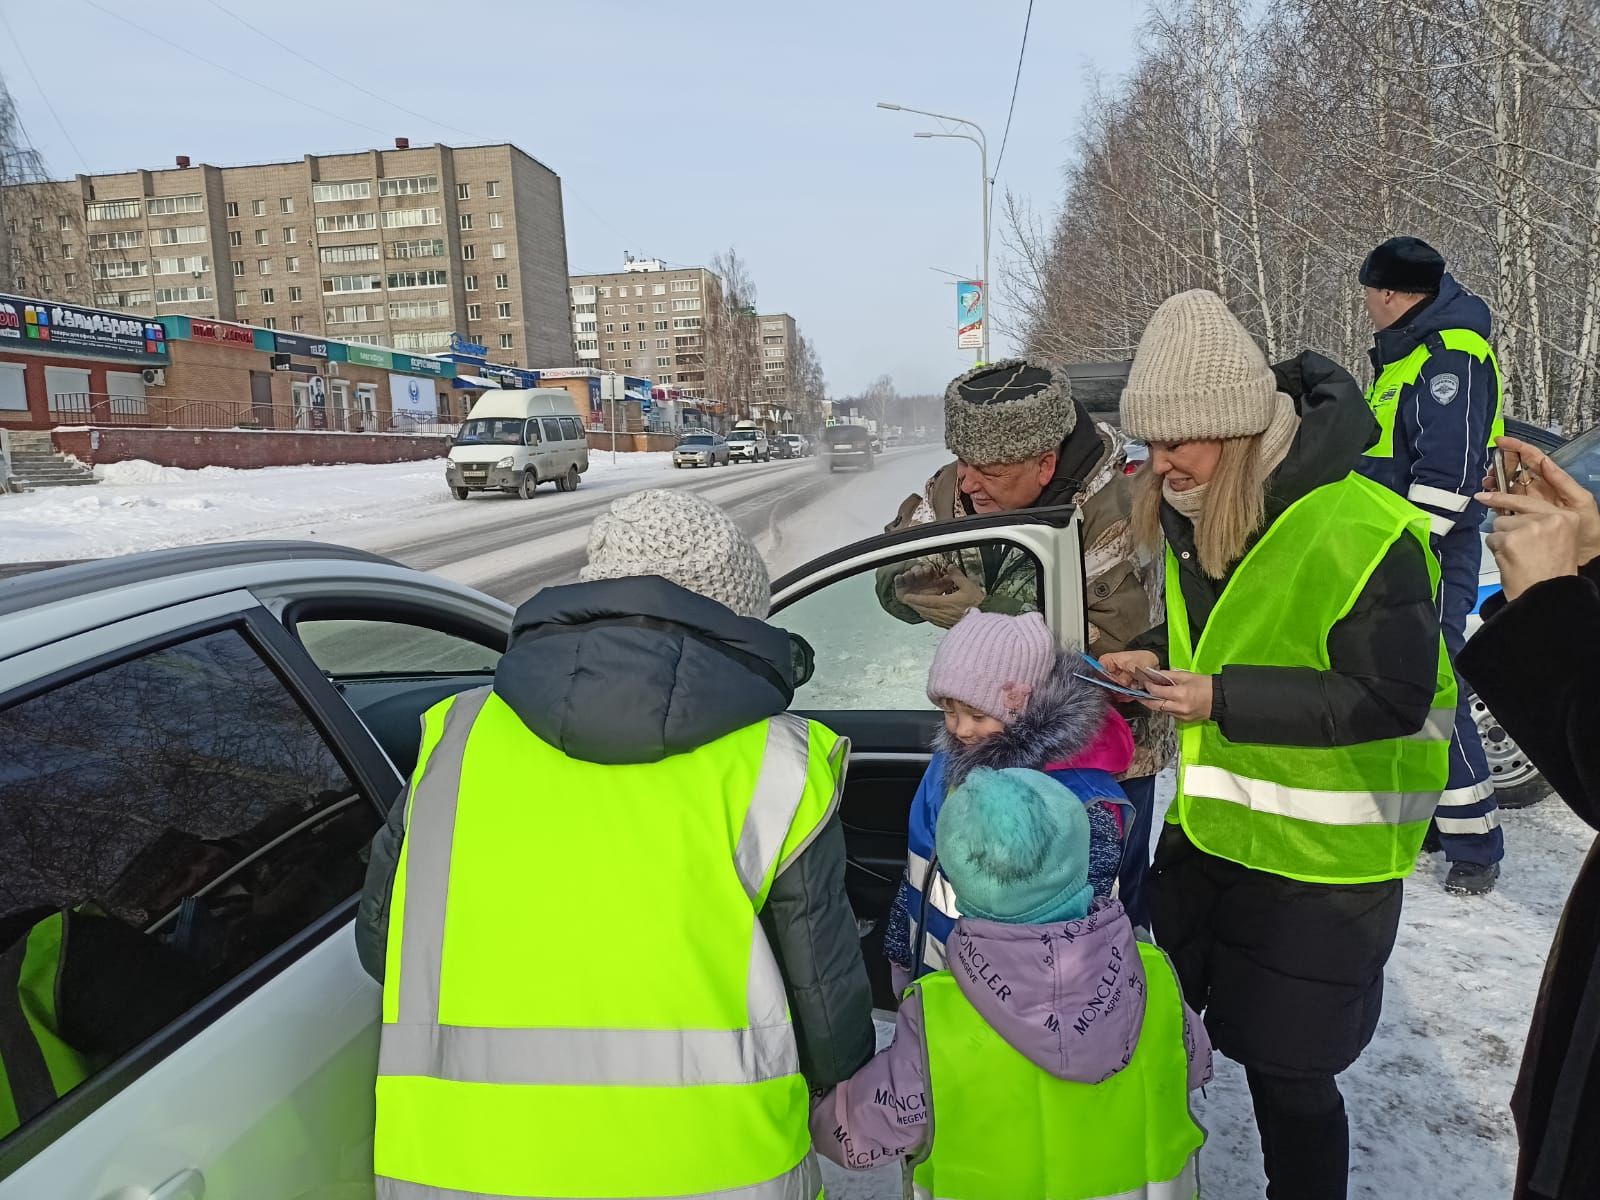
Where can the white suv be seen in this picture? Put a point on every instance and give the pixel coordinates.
(749, 445)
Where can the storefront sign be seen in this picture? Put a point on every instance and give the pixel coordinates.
(240, 336)
(369, 356)
(568, 373)
(68, 329)
(417, 399)
(460, 345)
(417, 365)
(300, 345)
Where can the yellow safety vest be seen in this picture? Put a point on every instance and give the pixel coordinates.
(1331, 814)
(1384, 394)
(579, 999)
(37, 1068)
(1005, 1128)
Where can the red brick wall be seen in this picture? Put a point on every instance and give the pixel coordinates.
(38, 414)
(242, 448)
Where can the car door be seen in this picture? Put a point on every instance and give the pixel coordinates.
(574, 435)
(561, 453)
(194, 798)
(869, 674)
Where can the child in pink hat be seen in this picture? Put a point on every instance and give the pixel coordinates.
(1011, 699)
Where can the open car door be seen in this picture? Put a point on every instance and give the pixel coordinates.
(871, 658)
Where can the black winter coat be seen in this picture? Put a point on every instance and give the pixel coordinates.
(1534, 663)
(637, 670)
(1290, 974)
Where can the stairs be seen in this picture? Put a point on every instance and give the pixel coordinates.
(35, 464)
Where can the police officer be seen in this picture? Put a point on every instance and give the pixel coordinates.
(610, 916)
(1436, 395)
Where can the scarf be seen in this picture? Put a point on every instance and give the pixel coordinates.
(1276, 439)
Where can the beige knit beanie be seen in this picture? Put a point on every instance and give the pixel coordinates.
(1197, 374)
(685, 540)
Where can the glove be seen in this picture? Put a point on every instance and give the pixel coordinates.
(950, 598)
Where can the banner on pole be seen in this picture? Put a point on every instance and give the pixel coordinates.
(969, 314)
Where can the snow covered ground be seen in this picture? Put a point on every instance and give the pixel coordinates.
(1427, 1101)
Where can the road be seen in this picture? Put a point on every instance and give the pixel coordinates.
(511, 547)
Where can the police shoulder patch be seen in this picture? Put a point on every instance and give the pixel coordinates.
(1445, 387)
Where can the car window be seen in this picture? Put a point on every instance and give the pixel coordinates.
(348, 649)
(490, 431)
(552, 429)
(872, 646)
(570, 430)
(166, 822)
(695, 441)
(533, 432)
(1580, 458)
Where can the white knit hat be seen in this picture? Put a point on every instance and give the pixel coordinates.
(684, 539)
(1197, 374)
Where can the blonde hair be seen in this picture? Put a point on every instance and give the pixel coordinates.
(1235, 504)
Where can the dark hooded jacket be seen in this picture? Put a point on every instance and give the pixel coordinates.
(1053, 974)
(635, 671)
(1290, 974)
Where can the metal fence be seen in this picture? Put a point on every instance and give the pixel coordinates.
(147, 412)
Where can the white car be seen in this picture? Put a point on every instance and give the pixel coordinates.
(199, 745)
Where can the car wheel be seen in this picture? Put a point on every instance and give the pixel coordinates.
(574, 478)
(529, 484)
(459, 493)
(1517, 782)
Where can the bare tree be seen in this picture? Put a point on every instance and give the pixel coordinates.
(732, 336)
(807, 385)
(41, 221)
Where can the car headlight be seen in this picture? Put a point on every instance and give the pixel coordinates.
(506, 463)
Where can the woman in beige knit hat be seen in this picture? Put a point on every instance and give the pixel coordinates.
(1302, 659)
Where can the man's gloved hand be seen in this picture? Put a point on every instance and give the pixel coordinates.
(943, 599)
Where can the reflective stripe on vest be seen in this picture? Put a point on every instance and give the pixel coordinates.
(579, 998)
(804, 1182)
(1004, 1126)
(1384, 394)
(37, 1068)
(1336, 814)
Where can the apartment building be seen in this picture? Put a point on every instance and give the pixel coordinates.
(398, 248)
(778, 338)
(647, 319)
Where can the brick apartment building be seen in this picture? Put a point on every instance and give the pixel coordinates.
(399, 248)
(778, 338)
(647, 319)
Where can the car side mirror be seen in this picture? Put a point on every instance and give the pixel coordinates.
(804, 659)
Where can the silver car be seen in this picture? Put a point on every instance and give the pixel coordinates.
(701, 450)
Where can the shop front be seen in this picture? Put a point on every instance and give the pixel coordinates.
(65, 364)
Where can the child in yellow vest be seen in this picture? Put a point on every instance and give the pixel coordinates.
(1056, 1049)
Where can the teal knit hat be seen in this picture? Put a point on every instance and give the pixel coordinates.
(1015, 846)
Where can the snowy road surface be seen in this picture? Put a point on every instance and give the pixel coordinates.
(1427, 1101)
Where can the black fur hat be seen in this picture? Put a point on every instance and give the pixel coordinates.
(1404, 264)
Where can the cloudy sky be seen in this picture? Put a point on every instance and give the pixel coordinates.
(677, 129)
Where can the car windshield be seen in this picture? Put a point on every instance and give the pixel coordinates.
(695, 441)
(491, 431)
(742, 435)
(1580, 458)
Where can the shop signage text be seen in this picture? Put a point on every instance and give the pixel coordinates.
(72, 330)
(239, 336)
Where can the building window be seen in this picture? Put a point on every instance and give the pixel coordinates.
(267, 297)
(261, 237)
(610, 328)
(639, 308)
(297, 323)
(470, 282)
(351, 314)
(288, 234)
(583, 309)
(493, 188)
(258, 208)
(346, 222)
(418, 310)
(474, 312)
(605, 294)
(166, 206)
(496, 221)
(658, 289)
(463, 191)
(627, 328)
(684, 305)
(663, 362)
(436, 340)
(238, 267)
(686, 285)
(263, 266)
(466, 220)
(286, 204)
(127, 240)
(121, 270)
(293, 264)
(241, 299)
(296, 295)
(269, 322)
(611, 347)
(508, 341)
(585, 326)
(661, 343)
(661, 326)
(192, 265)
(66, 250)
(365, 252)
(233, 208)
(638, 289)
(686, 322)
(417, 279)
(503, 311)
(235, 237)
(660, 306)
(179, 235)
(407, 218)
(408, 185)
(469, 252)
(498, 250)
(608, 309)
(182, 295)
(72, 279)
(626, 346)
(352, 283)
(419, 248)
(322, 193)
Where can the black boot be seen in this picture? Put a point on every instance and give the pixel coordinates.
(1471, 879)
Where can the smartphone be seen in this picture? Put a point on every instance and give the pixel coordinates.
(1500, 470)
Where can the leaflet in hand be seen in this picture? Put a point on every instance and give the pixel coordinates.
(1103, 679)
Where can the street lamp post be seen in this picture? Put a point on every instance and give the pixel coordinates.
(981, 141)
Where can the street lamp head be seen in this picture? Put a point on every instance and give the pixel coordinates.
(890, 107)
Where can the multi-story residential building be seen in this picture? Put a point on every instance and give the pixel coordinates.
(647, 319)
(400, 247)
(778, 339)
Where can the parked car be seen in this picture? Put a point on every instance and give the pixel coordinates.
(199, 745)
(802, 446)
(701, 450)
(848, 446)
(782, 447)
(748, 444)
(516, 439)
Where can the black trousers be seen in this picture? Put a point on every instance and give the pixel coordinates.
(1305, 1136)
